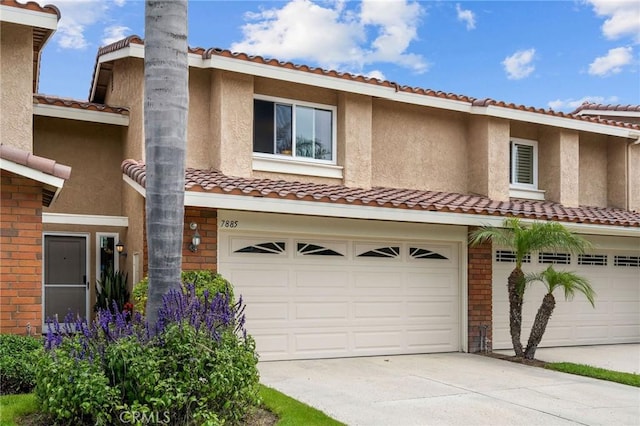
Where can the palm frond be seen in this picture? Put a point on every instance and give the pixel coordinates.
(570, 282)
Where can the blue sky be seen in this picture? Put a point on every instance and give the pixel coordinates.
(547, 54)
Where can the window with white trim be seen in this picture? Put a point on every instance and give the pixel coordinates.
(294, 129)
(523, 166)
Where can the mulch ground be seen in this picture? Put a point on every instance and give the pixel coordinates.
(512, 358)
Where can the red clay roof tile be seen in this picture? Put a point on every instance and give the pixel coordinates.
(32, 5)
(603, 107)
(42, 164)
(73, 103)
(215, 182)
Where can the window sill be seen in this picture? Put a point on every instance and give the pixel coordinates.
(296, 167)
(527, 193)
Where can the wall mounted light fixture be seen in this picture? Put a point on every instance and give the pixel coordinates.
(120, 248)
(195, 240)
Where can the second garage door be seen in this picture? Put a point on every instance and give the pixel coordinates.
(317, 297)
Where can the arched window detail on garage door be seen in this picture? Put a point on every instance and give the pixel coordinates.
(419, 253)
(308, 249)
(264, 248)
(392, 252)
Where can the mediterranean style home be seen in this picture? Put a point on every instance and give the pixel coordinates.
(339, 206)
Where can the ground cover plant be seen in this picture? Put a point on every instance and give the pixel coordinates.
(196, 366)
(17, 357)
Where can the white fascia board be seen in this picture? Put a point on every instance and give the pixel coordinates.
(551, 120)
(329, 82)
(314, 208)
(30, 173)
(135, 185)
(31, 18)
(85, 219)
(78, 114)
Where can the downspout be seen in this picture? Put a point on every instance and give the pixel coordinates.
(628, 169)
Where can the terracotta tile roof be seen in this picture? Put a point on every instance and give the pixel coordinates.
(215, 182)
(42, 164)
(73, 103)
(208, 53)
(603, 107)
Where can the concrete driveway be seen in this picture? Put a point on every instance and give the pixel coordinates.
(451, 389)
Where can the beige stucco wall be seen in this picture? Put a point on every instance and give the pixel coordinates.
(298, 92)
(593, 170)
(354, 139)
(558, 165)
(133, 206)
(617, 172)
(634, 177)
(488, 157)
(94, 152)
(231, 123)
(418, 148)
(126, 89)
(199, 152)
(16, 85)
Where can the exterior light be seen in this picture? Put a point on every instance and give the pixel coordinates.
(195, 240)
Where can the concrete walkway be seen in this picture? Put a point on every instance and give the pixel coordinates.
(451, 389)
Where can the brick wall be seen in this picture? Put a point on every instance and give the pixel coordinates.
(20, 254)
(206, 257)
(480, 293)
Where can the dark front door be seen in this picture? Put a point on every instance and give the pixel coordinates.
(65, 276)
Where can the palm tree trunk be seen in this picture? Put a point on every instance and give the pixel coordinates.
(540, 325)
(515, 309)
(166, 79)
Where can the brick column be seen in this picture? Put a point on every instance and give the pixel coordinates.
(20, 255)
(206, 257)
(480, 294)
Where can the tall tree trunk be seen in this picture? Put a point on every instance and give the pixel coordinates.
(540, 325)
(166, 82)
(515, 309)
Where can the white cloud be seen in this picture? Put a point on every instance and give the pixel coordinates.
(466, 16)
(376, 74)
(336, 37)
(518, 65)
(623, 18)
(76, 17)
(114, 33)
(571, 104)
(612, 62)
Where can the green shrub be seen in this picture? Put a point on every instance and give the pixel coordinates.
(199, 369)
(112, 287)
(202, 280)
(17, 357)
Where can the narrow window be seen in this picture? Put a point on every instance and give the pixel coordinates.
(524, 163)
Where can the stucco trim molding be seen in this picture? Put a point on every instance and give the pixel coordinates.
(85, 219)
(526, 193)
(80, 114)
(276, 165)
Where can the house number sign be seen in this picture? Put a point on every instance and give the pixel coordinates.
(229, 224)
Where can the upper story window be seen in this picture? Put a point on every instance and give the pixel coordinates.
(295, 130)
(523, 167)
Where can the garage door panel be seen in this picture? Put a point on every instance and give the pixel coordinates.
(371, 298)
(321, 310)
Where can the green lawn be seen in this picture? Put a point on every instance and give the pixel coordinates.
(14, 406)
(290, 411)
(596, 373)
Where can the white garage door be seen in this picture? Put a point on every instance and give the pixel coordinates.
(318, 297)
(613, 273)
